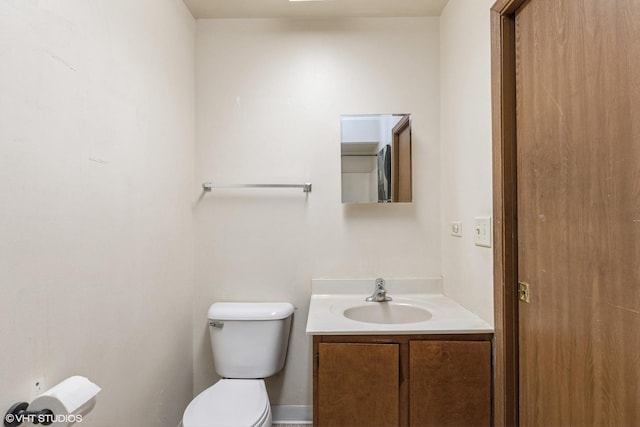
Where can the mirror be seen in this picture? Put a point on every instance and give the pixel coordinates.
(375, 152)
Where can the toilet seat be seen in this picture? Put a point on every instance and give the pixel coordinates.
(230, 403)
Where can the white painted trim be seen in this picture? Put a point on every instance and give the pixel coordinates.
(292, 414)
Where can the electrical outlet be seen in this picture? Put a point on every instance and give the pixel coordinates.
(456, 228)
(482, 231)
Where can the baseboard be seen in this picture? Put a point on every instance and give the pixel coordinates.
(292, 414)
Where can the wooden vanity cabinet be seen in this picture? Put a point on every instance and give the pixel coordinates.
(402, 380)
(358, 384)
(450, 383)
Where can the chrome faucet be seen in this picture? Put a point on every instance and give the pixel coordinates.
(380, 293)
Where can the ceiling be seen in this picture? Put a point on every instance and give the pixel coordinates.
(203, 9)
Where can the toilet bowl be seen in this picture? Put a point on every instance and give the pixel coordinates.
(249, 342)
(230, 403)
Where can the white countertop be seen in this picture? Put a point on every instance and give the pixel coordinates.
(330, 298)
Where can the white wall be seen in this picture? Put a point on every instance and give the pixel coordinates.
(96, 163)
(466, 151)
(269, 94)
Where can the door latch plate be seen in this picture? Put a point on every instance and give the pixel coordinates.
(523, 291)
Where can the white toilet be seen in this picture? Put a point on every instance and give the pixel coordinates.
(249, 342)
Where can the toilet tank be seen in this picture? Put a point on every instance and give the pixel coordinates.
(249, 339)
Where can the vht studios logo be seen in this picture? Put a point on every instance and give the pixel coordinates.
(44, 419)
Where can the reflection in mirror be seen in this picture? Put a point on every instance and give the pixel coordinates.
(376, 158)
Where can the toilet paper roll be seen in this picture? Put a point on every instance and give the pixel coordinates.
(68, 400)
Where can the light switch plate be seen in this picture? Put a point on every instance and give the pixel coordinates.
(455, 228)
(482, 231)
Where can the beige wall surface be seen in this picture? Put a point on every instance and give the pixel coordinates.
(97, 131)
(96, 177)
(269, 94)
(467, 269)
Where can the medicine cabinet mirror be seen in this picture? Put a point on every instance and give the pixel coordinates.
(376, 158)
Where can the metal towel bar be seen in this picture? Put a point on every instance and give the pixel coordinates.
(208, 186)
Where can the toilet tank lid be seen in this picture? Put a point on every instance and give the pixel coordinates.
(250, 310)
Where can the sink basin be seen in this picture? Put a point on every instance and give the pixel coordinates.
(387, 313)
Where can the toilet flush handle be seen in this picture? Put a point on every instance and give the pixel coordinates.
(216, 324)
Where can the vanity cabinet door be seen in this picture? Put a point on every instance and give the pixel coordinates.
(358, 385)
(450, 383)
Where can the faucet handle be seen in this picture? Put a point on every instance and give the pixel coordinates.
(379, 293)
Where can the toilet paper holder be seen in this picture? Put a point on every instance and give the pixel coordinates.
(19, 413)
(63, 404)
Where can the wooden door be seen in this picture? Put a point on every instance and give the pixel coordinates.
(358, 385)
(578, 203)
(401, 161)
(450, 383)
